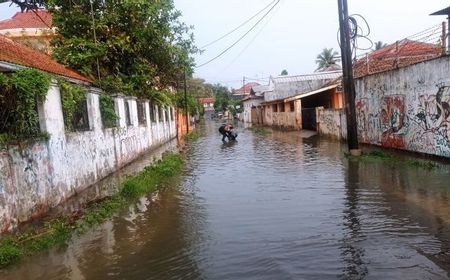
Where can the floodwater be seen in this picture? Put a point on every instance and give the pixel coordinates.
(276, 206)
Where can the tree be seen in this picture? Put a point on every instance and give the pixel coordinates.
(284, 72)
(26, 5)
(141, 46)
(222, 95)
(327, 58)
(379, 45)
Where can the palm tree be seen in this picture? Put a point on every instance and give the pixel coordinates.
(379, 45)
(327, 58)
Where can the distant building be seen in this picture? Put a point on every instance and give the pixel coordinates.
(32, 29)
(253, 112)
(244, 91)
(291, 101)
(208, 106)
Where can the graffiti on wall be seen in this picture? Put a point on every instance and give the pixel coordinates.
(431, 121)
(392, 116)
(368, 121)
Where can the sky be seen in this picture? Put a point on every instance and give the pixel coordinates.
(290, 37)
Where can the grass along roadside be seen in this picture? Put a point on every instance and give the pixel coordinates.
(59, 231)
(380, 155)
(260, 130)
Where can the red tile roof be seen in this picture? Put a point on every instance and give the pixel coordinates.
(400, 54)
(205, 100)
(246, 88)
(16, 53)
(37, 19)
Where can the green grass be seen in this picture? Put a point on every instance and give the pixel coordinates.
(260, 130)
(380, 155)
(58, 231)
(191, 136)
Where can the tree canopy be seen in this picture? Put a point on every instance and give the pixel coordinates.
(131, 46)
(379, 45)
(327, 58)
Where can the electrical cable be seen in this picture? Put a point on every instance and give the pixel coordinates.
(242, 24)
(240, 38)
(251, 41)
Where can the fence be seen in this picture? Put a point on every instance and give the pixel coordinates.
(425, 45)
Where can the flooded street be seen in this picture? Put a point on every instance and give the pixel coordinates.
(275, 206)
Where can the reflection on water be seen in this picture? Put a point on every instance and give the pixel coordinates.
(287, 205)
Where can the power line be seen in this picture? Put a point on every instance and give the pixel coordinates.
(251, 41)
(242, 37)
(242, 24)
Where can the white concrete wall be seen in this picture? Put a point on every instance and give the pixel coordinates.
(36, 176)
(407, 108)
(331, 123)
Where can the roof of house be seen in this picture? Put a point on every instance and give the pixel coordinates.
(30, 19)
(15, 53)
(245, 89)
(399, 54)
(205, 100)
(308, 77)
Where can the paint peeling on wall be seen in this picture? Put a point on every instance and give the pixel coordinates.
(39, 175)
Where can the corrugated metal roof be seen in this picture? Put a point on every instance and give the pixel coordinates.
(308, 77)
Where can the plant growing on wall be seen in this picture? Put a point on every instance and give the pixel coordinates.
(19, 93)
(109, 116)
(73, 99)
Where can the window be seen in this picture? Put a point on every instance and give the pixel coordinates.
(292, 106)
(160, 113)
(166, 114)
(107, 111)
(127, 113)
(281, 107)
(152, 113)
(76, 117)
(142, 116)
(274, 108)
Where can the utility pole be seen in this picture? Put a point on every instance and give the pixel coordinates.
(186, 103)
(349, 84)
(95, 38)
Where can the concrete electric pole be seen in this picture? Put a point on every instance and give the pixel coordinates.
(349, 84)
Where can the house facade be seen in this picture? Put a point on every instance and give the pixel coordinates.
(31, 28)
(253, 110)
(291, 101)
(208, 106)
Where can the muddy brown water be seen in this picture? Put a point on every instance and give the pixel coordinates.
(276, 206)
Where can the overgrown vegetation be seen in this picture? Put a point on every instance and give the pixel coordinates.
(141, 46)
(193, 105)
(19, 93)
(107, 111)
(73, 100)
(380, 155)
(58, 231)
